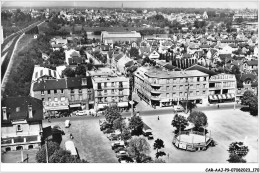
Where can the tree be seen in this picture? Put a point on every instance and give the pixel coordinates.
(179, 122)
(253, 105)
(158, 144)
(80, 70)
(41, 154)
(64, 156)
(190, 105)
(126, 135)
(134, 52)
(136, 125)
(237, 151)
(233, 158)
(247, 97)
(137, 147)
(199, 119)
(119, 123)
(69, 72)
(112, 113)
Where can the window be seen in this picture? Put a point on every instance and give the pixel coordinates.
(180, 94)
(112, 91)
(167, 88)
(205, 79)
(80, 97)
(80, 91)
(72, 98)
(204, 92)
(204, 85)
(105, 91)
(173, 94)
(120, 99)
(100, 100)
(84, 81)
(55, 99)
(167, 95)
(198, 79)
(61, 91)
(198, 85)
(55, 91)
(113, 84)
(49, 91)
(197, 93)
(17, 109)
(120, 84)
(113, 99)
(19, 128)
(62, 99)
(174, 87)
(99, 86)
(105, 85)
(72, 91)
(49, 99)
(167, 81)
(42, 92)
(191, 93)
(105, 99)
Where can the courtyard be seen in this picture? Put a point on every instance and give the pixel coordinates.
(225, 126)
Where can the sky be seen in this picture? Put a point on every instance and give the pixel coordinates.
(233, 4)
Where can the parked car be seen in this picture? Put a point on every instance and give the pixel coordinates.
(122, 154)
(126, 159)
(105, 126)
(117, 144)
(113, 137)
(67, 124)
(108, 130)
(178, 108)
(118, 149)
(149, 135)
(81, 113)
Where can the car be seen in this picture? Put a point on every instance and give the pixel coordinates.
(122, 154)
(178, 109)
(149, 135)
(118, 149)
(81, 113)
(117, 144)
(105, 125)
(113, 137)
(108, 130)
(126, 159)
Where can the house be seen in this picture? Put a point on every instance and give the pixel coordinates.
(80, 92)
(250, 82)
(120, 65)
(21, 123)
(249, 66)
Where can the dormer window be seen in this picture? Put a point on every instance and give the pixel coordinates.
(19, 128)
(17, 109)
(84, 81)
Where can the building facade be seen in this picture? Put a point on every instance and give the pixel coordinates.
(109, 91)
(222, 88)
(21, 123)
(112, 37)
(163, 88)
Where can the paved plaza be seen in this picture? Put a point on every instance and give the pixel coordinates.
(225, 126)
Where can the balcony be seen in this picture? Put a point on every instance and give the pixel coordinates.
(78, 101)
(156, 91)
(156, 84)
(156, 98)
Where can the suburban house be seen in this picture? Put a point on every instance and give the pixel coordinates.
(21, 123)
(250, 66)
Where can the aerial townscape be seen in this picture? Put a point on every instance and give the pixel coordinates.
(84, 84)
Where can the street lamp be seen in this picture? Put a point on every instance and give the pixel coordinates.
(132, 107)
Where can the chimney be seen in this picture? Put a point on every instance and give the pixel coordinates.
(4, 113)
(30, 111)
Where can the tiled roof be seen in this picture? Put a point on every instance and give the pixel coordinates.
(121, 34)
(247, 76)
(51, 84)
(119, 56)
(13, 104)
(253, 62)
(76, 82)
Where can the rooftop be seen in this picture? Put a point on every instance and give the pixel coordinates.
(157, 72)
(110, 79)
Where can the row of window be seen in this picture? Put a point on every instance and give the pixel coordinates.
(181, 80)
(113, 91)
(62, 91)
(113, 84)
(191, 93)
(112, 99)
(222, 77)
(191, 86)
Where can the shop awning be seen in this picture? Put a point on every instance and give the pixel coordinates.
(57, 108)
(233, 95)
(215, 97)
(122, 104)
(75, 105)
(102, 106)
(229, 96)
(223, 96)
(219, 97)
(211, 98)
(165, 100)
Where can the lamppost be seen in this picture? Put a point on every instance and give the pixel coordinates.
(132, 107)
